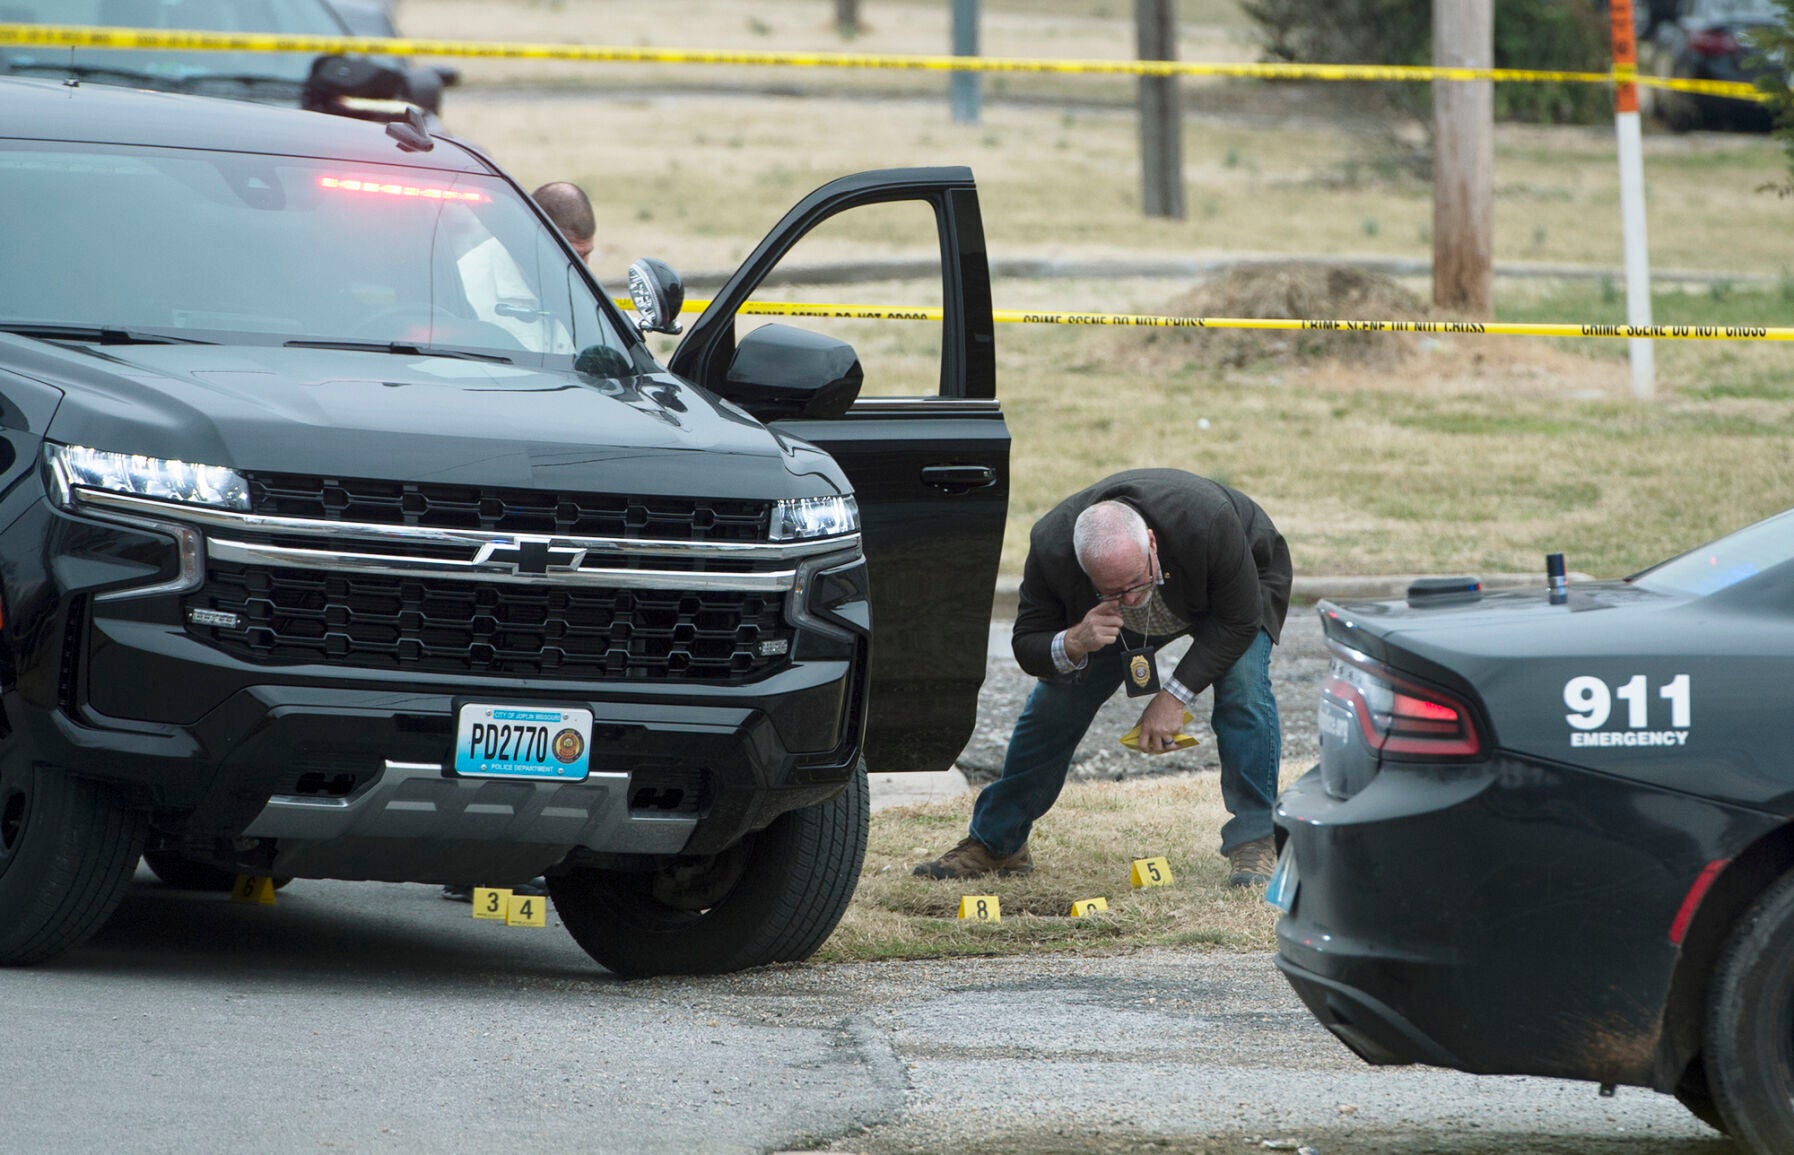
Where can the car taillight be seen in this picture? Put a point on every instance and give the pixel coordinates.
(1397, 716)
(1713, 42)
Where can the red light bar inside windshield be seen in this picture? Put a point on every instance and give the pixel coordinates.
(387, 188)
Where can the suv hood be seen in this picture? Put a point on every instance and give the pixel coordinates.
(344, 413)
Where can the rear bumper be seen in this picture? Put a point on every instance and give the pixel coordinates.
(1374, 1032)
(1504, 917)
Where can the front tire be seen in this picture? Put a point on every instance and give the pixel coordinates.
(776, 897)
(1750, 1025)
(67, 849)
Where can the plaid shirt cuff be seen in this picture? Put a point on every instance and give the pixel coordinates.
(1061, 661)
(1179, 691)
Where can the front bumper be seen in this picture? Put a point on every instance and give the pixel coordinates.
(1503, 917)
(315, 756)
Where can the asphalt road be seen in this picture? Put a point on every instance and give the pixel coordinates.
(376, 1017)
(371, 1017)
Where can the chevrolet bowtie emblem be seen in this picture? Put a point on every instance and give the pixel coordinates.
(531, 555)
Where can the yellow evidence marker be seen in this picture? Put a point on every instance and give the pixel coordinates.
(1085, 907)
(980, 908)
(1151, 872)
(253, 889)
(492, 902)
(527, 910)
(1131, 739)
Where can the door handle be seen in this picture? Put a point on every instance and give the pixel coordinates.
(958, 478)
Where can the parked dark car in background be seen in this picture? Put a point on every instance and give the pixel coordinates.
(1552, 835)
(265, 77)
(374, 18)
(349, 530)
(1709, 40)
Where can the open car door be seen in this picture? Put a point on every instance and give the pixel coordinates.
(930, 471)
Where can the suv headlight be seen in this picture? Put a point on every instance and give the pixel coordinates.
(805, 517)
(140, 476)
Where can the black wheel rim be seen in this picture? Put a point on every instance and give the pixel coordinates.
(15, 811)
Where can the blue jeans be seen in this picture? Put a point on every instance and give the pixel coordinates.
(1058, 713)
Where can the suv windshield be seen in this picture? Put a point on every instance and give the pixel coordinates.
(1726, 562)
(187, 71)
(246, 248)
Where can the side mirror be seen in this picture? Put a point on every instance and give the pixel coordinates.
(779, 371)
(658, 293)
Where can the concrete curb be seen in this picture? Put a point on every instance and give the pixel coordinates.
(1308, 590)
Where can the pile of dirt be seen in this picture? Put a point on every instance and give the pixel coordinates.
(1304, 291)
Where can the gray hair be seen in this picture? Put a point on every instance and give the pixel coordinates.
(1102, 529)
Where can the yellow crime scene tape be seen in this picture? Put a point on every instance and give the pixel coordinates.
(196, 40)
(199, 40)
(1155, 321)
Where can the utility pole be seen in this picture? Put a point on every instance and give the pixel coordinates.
(965, 93)
(1464, 159)
(1161, 113)
(847, 17)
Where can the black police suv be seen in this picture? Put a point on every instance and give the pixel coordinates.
(348, 530)
(1550, 835)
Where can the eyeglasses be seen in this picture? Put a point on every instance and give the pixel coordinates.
(1119, 594)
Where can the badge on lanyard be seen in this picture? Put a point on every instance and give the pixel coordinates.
(1141, 671)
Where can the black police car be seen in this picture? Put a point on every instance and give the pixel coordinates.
(1550, 835)
(350, 531)
(349, 86)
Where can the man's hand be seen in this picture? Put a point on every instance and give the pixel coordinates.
(1101, 626)
(1160, 722)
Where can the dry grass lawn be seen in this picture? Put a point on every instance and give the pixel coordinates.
(1473, 454)
(698, 180)
(1050, 29)
(1083, 849)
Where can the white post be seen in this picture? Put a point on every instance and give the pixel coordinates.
(1632, 204)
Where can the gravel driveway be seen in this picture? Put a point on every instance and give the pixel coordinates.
(1297, 665)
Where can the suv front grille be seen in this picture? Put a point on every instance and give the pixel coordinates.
(441, 625)
(439, 506)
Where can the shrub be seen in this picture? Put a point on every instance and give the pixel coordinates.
(1777, 43)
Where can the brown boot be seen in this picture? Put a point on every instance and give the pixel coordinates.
(1252, 863)
(971, 858)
